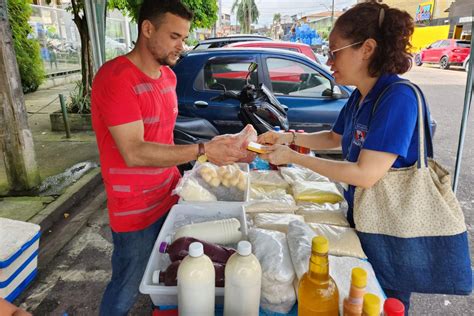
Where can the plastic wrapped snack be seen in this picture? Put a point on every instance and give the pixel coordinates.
(189, 189)
(242, 139)
(278, 222)
(327, 213)
(299, 243)
(267, 178)
(277, 201)
(271, 249)
(343, 241)
(316, 192)
(225, 183)
(297, 174)
(261, 193)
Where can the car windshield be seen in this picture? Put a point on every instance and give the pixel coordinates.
(464, 44)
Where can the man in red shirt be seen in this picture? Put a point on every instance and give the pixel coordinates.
(134, 110)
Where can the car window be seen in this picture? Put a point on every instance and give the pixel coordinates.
(464, 44)
(201, 46)
(229, 74)
(435, 44)
(289, 77)
(445, 43)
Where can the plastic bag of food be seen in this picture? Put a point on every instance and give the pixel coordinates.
(297, 174)
(242, 139)
(343, 241)
(277, 201)
(316, 192)
(262, 193)
(326, 213)
(271, 249)
(273, 221)
(267, 178)
(299, 244)
(189, 189)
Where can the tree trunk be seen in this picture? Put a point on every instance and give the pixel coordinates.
(17, 141)
(87, 69)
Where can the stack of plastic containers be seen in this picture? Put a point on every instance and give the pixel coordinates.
(19, 244)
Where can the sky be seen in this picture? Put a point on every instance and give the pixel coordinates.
(268, 8)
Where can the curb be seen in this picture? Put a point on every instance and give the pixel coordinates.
(72, 196)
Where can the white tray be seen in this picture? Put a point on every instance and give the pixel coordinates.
(167, 295)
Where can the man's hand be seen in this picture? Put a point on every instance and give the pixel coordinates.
(278, 155)
(272, 138)
(223, 150)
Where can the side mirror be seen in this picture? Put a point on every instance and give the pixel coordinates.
(335, 92)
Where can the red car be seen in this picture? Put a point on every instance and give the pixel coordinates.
(445, 52)
(295, 47)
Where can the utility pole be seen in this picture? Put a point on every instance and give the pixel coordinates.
(332, 14)
(15, 135)
(250, 16)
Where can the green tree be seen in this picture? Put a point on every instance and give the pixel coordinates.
(277, 18)
(247, 13)
(205, 11)
(27, 49)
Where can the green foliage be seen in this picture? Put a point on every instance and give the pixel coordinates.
(244, 7)
(205, 11)
(27, 49)
(79, 100)
(276, 18)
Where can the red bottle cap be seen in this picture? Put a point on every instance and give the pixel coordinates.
(393, 307)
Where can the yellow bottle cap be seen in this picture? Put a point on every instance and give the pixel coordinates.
(320, 244)
(359, 277)
(371, 304)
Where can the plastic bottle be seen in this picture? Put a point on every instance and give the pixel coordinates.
(353, 303)
(317, 292)
(170, 276)
(243, 276)
(179, 249)
(371, 306)
(196, 277)
(393, 307)
(303, 150)
(224, 231)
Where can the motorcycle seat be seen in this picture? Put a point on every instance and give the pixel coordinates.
(197, 127)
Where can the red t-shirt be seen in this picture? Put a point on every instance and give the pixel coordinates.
(121, 94)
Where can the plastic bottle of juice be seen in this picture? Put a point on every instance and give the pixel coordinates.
(393, 307)
(179, 249)
(243, 276)
(371, 306)
(170, 276)
(196, 278)
(317, 293)
(353, 303)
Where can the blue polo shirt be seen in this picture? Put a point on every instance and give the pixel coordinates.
(393, 126)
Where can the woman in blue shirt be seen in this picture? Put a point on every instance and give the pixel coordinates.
(369, 47)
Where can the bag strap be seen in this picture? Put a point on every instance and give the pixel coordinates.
(425, 150)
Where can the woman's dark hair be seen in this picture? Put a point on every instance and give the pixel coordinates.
(391, 28)
(155, 10)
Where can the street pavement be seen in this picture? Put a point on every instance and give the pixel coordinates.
(74, 281)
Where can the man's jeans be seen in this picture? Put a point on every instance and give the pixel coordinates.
(129, 260)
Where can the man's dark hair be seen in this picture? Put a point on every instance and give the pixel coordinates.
(155, 10)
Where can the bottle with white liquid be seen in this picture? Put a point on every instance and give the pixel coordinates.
(224, 231)
(243, 279)
(196, 283)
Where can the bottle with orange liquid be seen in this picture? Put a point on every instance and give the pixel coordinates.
(353, 303)
(317, 293)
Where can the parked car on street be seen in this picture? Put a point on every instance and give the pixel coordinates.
(313, 99)
(216, 42)
(445, 52)
(301, 48)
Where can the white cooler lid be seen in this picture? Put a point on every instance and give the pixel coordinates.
(13, 235)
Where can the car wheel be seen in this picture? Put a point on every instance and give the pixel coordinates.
(418, 61)
(444, 62)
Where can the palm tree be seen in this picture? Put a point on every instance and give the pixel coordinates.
(247, 13)
(277, 18)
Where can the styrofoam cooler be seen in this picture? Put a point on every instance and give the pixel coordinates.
(184, 214)
(19, 246)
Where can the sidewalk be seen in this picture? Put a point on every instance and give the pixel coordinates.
(54, 154)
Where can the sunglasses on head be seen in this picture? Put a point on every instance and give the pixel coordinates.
(332, 53)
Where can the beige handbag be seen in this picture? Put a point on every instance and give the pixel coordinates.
(397, 217)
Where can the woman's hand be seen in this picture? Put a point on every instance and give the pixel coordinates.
(272, 138)
(278, 154)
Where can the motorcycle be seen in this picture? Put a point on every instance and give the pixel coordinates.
(258, 107)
